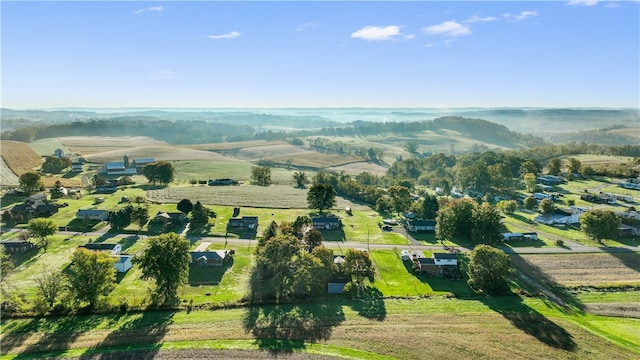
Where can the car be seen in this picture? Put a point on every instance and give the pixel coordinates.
(404, 255)
(387, 228)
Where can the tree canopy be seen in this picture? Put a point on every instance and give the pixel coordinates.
(41, 228)
(166, 261)
(261, 175)
(91, 276)
(161, 171)
(185, 206)
(489, 270)
(600, 224)
(30, 182)
(321, 196)
(358, 264)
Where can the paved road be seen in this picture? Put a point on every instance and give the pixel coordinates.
(412, 245)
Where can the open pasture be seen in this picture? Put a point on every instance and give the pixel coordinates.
(255, 153)
(234, 145)
(274, 196)
(85, 145)
(316, 160)
(597, 269)
(236, 169)
(7, 177)
(359, 167)
(158, 152)
(48, 146)
(602, 161)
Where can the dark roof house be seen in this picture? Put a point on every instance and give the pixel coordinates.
(326, 222)
(170, 217)
(34, 206)
(421, 225)
(245, 222)
(17, 245)
(113, 249)
(210, 258)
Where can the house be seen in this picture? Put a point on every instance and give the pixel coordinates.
(426, 265)
(564, 217)
(76, 166)
(34, 206)
(124, 263)
(336, 284)
(92, 214)
(520, 236)
(222, 182)
(58, 153)
(551, 180)
(17, 245)
(421, 225)
(210, 258)
(445, 259)
(113, 249)
(326, 222)
(170, 217)
(598, 198)
(245, 222)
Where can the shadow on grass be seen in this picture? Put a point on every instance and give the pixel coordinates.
(370, 304)
(531, 322)
(333, 235)
(128, 241)
(146, 328)
(523, 219)
(286, 328)
(208, 275)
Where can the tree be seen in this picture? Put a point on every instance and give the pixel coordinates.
(487, 226)
(166, 261)
(429, 207)
(574, 166)
(199, 216)
(530, 182)
(508, 206)
(489, 270)
(445, 223)
(50, 284)
(300, 178)
(273, 260)
(270, 232)
(185, 206)
(140, 216)
(121, 218)
(54, 164)
(400, 198)
(529, 167)
(358, 264)
(261, 175)
(455, 218)
(300, 225)
(554, 167)
(530, 203)
(41, 228)
(600, 224)
(30, 182)
(547, 206)
(321, 196)
(312, 239)
(160, 171)
(411, 146)
(91, 276)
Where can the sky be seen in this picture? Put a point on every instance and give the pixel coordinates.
(320, 54)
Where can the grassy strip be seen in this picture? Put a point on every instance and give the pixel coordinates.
(248, 345)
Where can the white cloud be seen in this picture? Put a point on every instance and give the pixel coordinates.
(448, 28)
(523, 15)
(152, 9)
(231, 35)
(612, 5)
(583, 2)
(306, 26)
(377, 33)
(427, 45)
(476, 18)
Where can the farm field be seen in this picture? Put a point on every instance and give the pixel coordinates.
(274, 196)
(237, 169)
(381, 329)
(48, 146)
(19, 156)
(596, 269)
(85, 145)
(360, 167)
(230, 146)
(158, 152)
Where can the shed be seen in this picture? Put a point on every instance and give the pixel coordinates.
(124, 263)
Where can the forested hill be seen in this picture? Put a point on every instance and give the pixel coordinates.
(476, 129)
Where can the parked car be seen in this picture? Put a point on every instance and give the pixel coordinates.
(387, 228)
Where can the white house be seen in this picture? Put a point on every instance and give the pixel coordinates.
(444, 259)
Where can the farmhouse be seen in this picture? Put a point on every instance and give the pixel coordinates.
(245, 222)
(598, 198)
(109, 187)
(170, 217)
(551, 180)
(210, 258)
(17, 245)
(520, 236)
(560, 217)
(92, 214)
(113, 249)
(76, 166)
(326, 222)
(125, 167)
(34, 206)
(421, 225)
(58, 153)
(439, 264)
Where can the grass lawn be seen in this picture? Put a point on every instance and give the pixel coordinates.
(395, 278)
(238, 170)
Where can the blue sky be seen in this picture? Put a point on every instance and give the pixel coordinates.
(320, 54)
